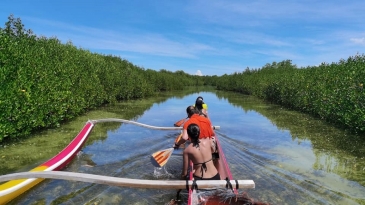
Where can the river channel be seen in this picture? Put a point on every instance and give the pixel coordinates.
(292, 157)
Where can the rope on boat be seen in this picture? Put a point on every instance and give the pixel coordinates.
(141, 124)
(126, 182)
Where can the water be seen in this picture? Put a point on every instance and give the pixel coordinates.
(292, 157)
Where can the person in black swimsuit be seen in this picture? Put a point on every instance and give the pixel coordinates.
(201, 106)
(200, 153)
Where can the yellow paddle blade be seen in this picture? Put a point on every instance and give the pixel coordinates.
(161, 157)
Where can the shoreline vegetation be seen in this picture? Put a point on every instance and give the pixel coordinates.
(45, 83)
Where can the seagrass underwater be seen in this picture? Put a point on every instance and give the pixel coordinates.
(257, 139)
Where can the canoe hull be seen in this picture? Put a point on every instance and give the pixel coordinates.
(223, 170)
(14, 188)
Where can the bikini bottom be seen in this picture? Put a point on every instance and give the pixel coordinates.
(216, 177)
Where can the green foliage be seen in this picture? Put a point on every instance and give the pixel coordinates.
(45, 82)
(334, 92)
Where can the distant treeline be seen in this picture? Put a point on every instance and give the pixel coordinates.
(333, 92)
(45, 82)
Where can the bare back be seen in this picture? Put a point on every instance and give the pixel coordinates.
(200, 155)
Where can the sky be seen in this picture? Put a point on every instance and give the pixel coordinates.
(203, 37)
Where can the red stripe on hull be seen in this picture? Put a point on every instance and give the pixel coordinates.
(67, 150)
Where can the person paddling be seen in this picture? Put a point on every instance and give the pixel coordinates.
(201, 106)
(199, 152)
(206, 130)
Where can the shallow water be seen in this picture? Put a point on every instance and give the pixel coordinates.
(292, 157)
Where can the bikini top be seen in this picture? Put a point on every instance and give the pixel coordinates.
(204, 166)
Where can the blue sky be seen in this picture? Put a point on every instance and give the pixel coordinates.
(201, 36)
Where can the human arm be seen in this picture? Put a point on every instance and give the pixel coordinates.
(182, 140)
(205, 112)
(184, 171)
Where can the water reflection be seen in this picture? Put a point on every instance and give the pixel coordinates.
(293, 158)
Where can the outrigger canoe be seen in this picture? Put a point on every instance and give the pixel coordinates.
(17, 183)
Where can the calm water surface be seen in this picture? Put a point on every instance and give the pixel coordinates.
(293, 158)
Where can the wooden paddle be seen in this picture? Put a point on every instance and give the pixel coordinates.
(180, 122)
(160, 158)
(177, 139)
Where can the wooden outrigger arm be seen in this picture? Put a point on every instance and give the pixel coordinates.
(127, 182)
(141, 124)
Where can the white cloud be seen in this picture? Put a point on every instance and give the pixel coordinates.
(199, 73)
(360, 41)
